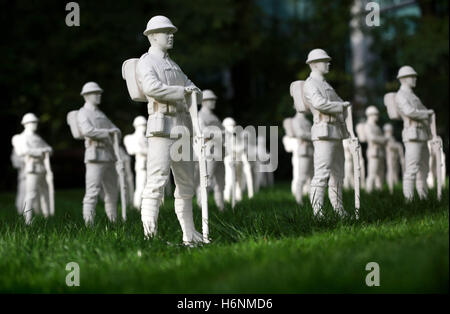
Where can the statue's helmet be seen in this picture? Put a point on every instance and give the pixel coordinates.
(317, 55)
(90, 87)
(28, 118)
(406, 71)
(159, 24)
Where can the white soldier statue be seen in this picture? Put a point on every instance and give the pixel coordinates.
(38, 176)
(416, 133)
(375, 150)
(164, 86)
(129, 176)
(215, 167)
(432, 173)
(298, 141)
(328, 131)
(136, 145)
(238, 172)
(395, 157)
(100, 156)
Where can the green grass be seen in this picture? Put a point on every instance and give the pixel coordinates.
(267, 244)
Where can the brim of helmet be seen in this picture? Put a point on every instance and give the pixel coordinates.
(160, 30)
(92, 92)
(408, 75)
(28, 122)
(317, 60)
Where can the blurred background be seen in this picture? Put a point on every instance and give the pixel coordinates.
(247, 51)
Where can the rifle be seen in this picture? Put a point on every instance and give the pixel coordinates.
(121, 172)
(233, 180)
(201, 153)
(49, 179)
(436, 147)
(355, 150)
(390, 173)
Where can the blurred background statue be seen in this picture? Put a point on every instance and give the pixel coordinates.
(35, 153)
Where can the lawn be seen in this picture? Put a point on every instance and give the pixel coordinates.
(265, 245)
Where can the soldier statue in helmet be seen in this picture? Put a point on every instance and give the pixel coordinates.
(136, 144)
(375, 150)
(99, 158)
(327, 133)
(210, 123)
(165, 87)
(35, 153)
(415, 135)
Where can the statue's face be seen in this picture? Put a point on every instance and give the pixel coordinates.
(31, 126)
(93, 98)
(322, 67)
(209, 103)
(409, 81)
(229, 128)
(141, 128)
(163, 40)
(374, 117)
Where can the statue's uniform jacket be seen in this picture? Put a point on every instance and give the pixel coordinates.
(415, 135)
(31, 147)
(99, 156)
(327, 132)
(163, 83)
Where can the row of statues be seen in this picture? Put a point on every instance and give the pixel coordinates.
(318, 149)
(325, 154)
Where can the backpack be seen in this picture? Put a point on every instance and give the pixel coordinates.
(391, 106)
(129, 75)
(296, 91)
(72, 121)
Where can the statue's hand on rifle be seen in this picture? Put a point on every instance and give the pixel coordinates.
(191, 89)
